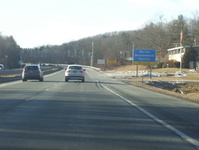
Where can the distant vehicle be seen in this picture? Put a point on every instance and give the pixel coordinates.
(32, 72)
(74, 72)
(1, 66)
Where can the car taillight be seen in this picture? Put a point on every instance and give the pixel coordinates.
(81, 71)
(68, 71)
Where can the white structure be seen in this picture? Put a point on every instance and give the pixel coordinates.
(176, 53)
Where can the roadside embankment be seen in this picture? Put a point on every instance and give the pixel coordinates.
(170, 81)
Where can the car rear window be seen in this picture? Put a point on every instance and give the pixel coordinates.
(75, 67)
(31, 67)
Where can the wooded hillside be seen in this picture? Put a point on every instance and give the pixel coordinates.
(159, 35)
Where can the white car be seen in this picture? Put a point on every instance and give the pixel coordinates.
(74, 72)
(1, 66)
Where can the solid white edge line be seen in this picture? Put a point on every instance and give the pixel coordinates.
(91, 76)
(164, 124)
(181, 134)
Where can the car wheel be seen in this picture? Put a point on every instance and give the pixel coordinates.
(82, 80)
(41, 80)
(24, 80)
(66, 80)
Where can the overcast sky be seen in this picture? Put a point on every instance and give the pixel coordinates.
(34, 23)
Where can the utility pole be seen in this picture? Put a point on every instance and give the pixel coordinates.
(181, 47)
(92, 54)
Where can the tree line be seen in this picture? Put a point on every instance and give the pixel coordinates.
(158, 34)
(9, 52)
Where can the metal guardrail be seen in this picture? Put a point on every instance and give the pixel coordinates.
(19, 71)
(7, 72)
(15, 74)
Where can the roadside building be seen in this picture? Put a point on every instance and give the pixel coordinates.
(177, 53)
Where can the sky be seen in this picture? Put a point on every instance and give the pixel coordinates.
(34, 23)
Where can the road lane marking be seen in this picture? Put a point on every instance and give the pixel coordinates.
(164, 124)
(30, 98)
(91, 76)
(171, 128)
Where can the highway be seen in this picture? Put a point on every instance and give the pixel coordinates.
(102, 113)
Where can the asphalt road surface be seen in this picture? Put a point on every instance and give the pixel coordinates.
(101, 113)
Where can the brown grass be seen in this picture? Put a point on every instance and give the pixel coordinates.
(189, 89)
(190, 94)
(169, 78)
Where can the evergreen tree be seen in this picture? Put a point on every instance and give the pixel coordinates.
(190, 55)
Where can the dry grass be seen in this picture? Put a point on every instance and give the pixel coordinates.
(170, 70)
(190, 94)
(169, 78)
(189, 90)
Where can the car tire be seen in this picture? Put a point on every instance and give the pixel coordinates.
(66, 80)
(41, 80)
(24, 80)
(82, 80)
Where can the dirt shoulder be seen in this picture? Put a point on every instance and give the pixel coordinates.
(187, 91)
(185, 87)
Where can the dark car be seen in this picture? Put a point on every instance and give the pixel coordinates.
(32, 72)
